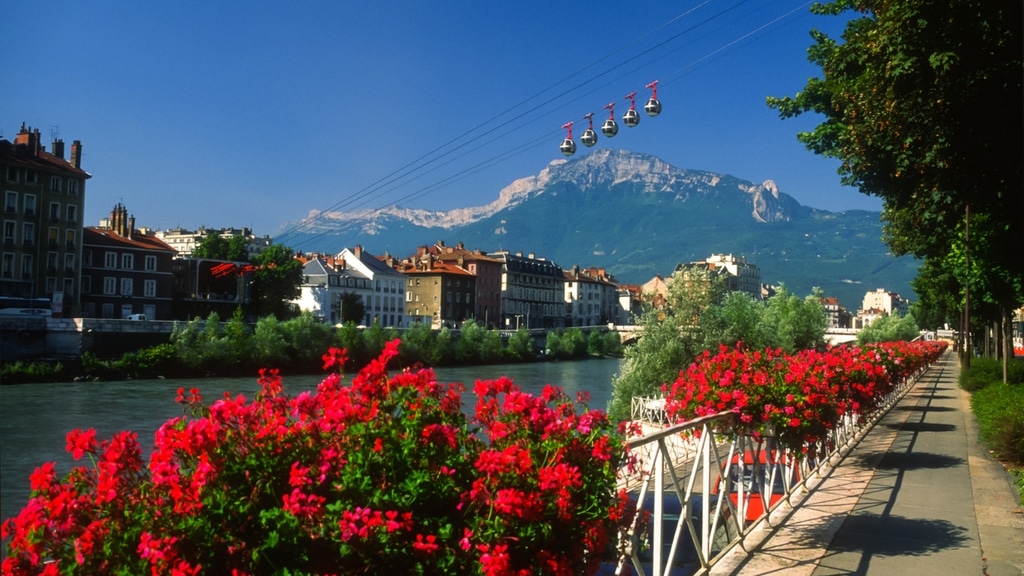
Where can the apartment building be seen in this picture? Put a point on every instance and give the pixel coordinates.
(882, 302)
(532, 292)
(44, 200)
(437, 292)
(125, 271)
(591, 297)
(487, 270)
(740, 275)
(328, 282)
(386, 304)
(185, 241)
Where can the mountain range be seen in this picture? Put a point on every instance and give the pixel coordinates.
(638, 216)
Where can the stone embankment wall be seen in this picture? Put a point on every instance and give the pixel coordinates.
(43, 338)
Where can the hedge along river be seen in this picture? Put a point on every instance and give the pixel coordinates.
(35, 418)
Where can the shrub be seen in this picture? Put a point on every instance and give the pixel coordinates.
(999, 409)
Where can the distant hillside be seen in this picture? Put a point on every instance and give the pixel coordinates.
(637, 216)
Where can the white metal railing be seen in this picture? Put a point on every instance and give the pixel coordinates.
(686, 467)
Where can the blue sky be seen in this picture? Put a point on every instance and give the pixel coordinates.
(254, 113)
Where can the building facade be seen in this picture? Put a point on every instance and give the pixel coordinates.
(437, 292)
(386, 304)
(532, 292)
(326, 282)
(185, 241)
(125, 271)
(883, 301)
(44, 200)
(591, 297)
(740, 275)
(487, 270)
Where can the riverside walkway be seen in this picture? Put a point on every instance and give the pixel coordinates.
(916, 495)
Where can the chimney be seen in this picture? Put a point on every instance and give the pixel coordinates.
(58, 148)
(358, 251)
(76, 154)
(131, 226)
(28, 138)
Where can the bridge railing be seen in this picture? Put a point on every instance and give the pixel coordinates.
(677, 474)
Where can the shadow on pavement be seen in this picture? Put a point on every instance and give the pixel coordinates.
(911, 461)
(898, 536)
(922, 427)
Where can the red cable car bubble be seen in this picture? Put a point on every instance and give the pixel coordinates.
(631, 118)
(568, 147)
(610, 128)
(653, 106)
(589, 137)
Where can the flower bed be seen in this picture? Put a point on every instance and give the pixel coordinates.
(796, 398)
(383, 475)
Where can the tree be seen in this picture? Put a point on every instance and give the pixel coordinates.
(275, 283)
(922, 106)
(216, 247)
(350, 308)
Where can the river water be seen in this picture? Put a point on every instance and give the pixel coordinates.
(35, 418)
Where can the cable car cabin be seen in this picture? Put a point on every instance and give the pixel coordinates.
(631, 118)
(568, 147)
(610, 128)
(653, 107)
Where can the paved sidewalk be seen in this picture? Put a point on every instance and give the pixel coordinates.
(917, 495)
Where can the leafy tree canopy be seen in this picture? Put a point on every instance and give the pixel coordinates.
(216, 247)
(276, 283)
(922, 106)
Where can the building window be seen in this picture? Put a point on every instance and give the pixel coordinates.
(52, 236)
(86, 284)
(51, 284)
(12, 174)
(73, 187)
(149, 288)
(110, 260)
(126, 286)
(127, 261)
(55, 184)
(72, 213)
(30, 204)
(69, 263)
(9, 227)
(28, 266)
(109, 285)
(150, 263)
(86, 257)
(30, 177)
(69, 287)
(8, 265)
(51, 262)
(28, 234)
(11, 202)
(69, 239)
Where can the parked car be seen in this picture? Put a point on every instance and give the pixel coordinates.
(686, 560)
(137, 317)
(752, 481)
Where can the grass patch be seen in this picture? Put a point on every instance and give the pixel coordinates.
(999, 410)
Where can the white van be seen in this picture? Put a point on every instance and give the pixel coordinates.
(138, 317)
